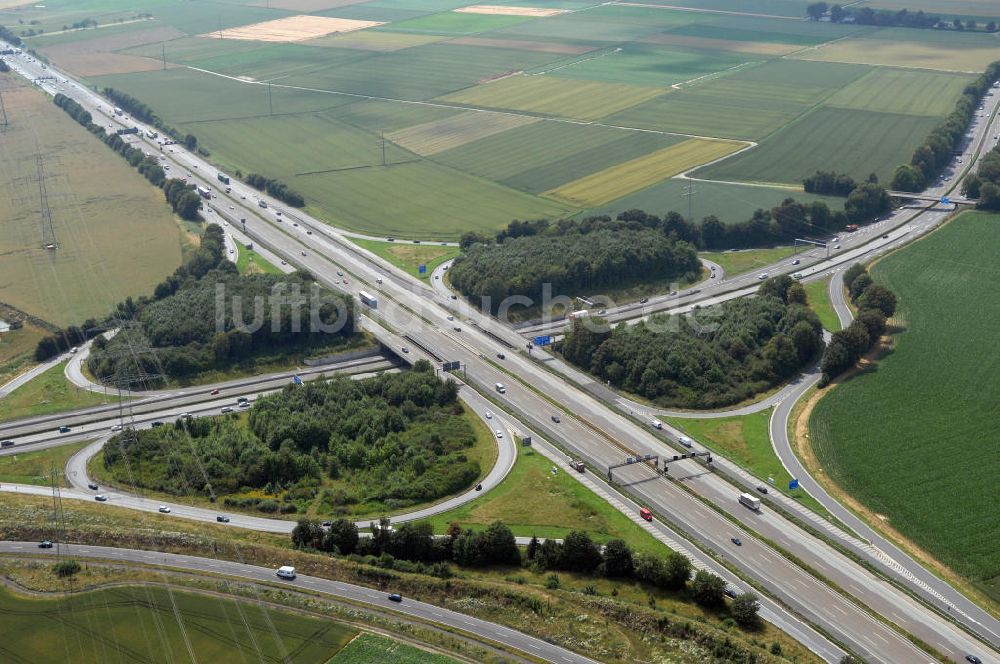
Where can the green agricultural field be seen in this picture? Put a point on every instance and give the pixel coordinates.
(984, 9)
(154, 624)
(796, 8)
(532, 500)
(456, 23)
(579, 27)
(845, 141)
(99, 205)
(930, 404)
(647, 64)
(749, 104)
(902, 91)
(419, 73)
(375, 649)
(48, 393)
(387, 116)
(604, 186)
(544, 155)
(376, 40)
(278, 61)
(551, 95)
(731, 203)
(38, 467)
(452, 132)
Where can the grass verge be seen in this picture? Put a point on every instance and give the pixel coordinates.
(746, 260)
(818, 294)
(35, 467)
(408, 257)
(49, 393)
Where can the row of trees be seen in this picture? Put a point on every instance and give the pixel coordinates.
(385, 442)
(496, 545)
(276, 189)
(984, 184)
(902, 18)
(715, 357)
(934, 155)
(875, 304)
(209, 255)
(141, 111)
(571, 257)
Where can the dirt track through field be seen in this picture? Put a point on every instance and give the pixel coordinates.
(504, 10)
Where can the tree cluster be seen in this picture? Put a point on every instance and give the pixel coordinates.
(276, 189)
(9, 36)
(829, 183)
(183, 198)
(572, 257)
(185, 332)
(931, 158)
(875, 304)
(392, 440)
(716, 357)
(984, 184)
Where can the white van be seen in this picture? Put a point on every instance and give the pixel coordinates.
(656, 424)
(501, 389)
(286, 572)
(685, 441)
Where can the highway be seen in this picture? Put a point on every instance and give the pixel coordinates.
(369, 597)
(602, 436)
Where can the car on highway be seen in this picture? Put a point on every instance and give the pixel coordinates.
(92, 486)
(101, 498)
(458, 328)
(729, 592)
(405, 349)
(64, 429)
(454, 297)
(762, 488)
(797, 275)
(156, 424)
(303, 253)
(501, 356)
(163, 509)
(222, 518)
(836, 246)
(450, 317)
(885, 237)
(116, 427)
(6, 443)
(339, 273)
(736, 540)
(45, 544)
(215, 391)
(762, 276)
(185, 416)
(479, 487)
(227, 409)
(602, 312)
(555, 418)
(646, 514)
(643, 300)
(796, 261)
(973, 659)
(395, 597)
(499, 433)
(489, 415)
(245, 404)
(286, 572)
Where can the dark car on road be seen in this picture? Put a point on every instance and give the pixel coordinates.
(737, 541)
(762, 488)
(92, 486)
(222, 518)
(45, 545)
(395, 597)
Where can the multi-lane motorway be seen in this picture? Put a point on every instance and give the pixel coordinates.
(700, 503)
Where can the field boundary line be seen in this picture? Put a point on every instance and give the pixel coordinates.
(698, 10)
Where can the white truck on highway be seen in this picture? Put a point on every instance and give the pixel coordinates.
(286, 572)
(753, 502)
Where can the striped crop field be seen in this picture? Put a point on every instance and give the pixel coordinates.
(440, 135)
(560, 97)
(611, 183)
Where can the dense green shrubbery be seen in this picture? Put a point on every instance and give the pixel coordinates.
(718, 357)
(875, 304)
(575, 257)
(393, 440)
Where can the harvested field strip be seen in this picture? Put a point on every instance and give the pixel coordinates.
(293, 29)
(611, 183)
(894, 52)
(523, 45)
(506, 10)
(584, 100)
(440, 135)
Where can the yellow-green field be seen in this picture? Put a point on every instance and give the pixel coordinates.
(373, 40)
(440, 135)
(116, 236)
(902, 91)
(896, 52)
(611, 183)
(583, 100)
